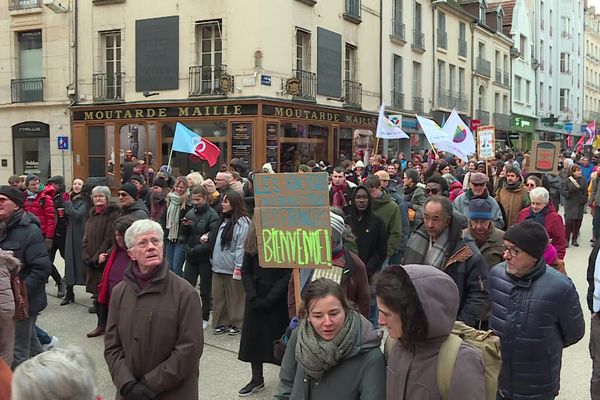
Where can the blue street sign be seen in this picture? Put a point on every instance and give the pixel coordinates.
(265, 80)
(63, 143)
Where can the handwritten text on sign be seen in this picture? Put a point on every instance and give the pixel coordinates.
(292, 220)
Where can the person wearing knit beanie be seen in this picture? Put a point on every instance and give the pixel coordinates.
(337, 227)
(529, 236)
(480, 209)
(130, 189)
(14, 194)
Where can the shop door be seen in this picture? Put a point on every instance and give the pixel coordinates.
(136, 146)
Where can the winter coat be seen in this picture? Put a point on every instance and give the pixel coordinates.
(412, 367)
(361, 375)
(491, 250)
(535, 317)
(43, 208)
(456, 189)
(24, 238)
(555, 228)
(98, 238)
(225, 260)
(574, 198)
(348, 194)
(406, 228)
(204, 220)
(513, 201)
(414, 197)
(265, 312)
(8, 266)
(461, 204)
(146, 196)
(553, 184)
(389, 212)
(76, 212)
(163, 317)
(60, 232)
(137, 210)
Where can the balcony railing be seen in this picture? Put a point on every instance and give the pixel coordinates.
(418, 40)
(443, 98)
(483, 67)
(108, 87)
(308, 90)
(591, 115)
(483, 117)
(353, 94)
(24, 4)
(418, 104)
(397, 100)
(442, 40)
(502, 121)
(498, 75)
(398, 29)
(461, 104)
(27, 90)
(462, 47)
(450, 99)
(205, 80)
(507, 79)
(352, 11)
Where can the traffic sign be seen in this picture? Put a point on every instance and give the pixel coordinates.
(63, 143)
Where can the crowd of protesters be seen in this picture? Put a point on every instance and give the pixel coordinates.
(420, 242)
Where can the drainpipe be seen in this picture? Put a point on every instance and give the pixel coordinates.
(380, 52)
(76, 51)
(473, 79)
(433, 51)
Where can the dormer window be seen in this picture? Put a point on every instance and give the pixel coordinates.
(481, 12)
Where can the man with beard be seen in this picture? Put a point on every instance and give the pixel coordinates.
(478, 190)
(482, 230)
(513, 196)
(340, 190)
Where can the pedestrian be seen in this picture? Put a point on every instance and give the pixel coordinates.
(60, 233)
(97, 240)
(227, 255)
(396, 194)
(265, 312)
(9, 267)
(418, 305)
(593, 301)
(176, 207)
(77, 204)
(513, 195)
(340, 190)
(535, 313)
(194, 179)
(154, 307)
(142, 190)
(20, 233)
(574, 190)
(130, 203)
(487, 237)
(532, 182)
(333, 353)
(438, 241)
(478, 189)
(196, 226)
(158, 201)
(414, 195)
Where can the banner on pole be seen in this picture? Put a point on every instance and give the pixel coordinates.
(486, 142)
(544, 157)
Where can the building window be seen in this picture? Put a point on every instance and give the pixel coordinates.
(497, 105)
(523, 46)
(527, 92)
(418, 27)
(564, 99)
(398, 26)
(451, 79)
(565, 25)
(302, 50)
(108, 84)
(461, 83)
(462, 39)
(564, 62)
(517, 86)
(397, 95)
(441, 75)
(29, 85)
(417, 99)
(442, 37)
(205, 76)
(350, 63)
(353, 10)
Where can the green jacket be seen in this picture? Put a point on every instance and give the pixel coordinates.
(389, 212)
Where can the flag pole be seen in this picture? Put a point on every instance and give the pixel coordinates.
(170, 157)
(376, 146)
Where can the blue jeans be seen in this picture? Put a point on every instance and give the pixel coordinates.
(175, 256)
(26, 341)
(373, 310)
(42, 336)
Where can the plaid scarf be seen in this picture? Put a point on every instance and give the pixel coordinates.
(421, 250)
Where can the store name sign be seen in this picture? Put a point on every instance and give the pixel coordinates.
(326, 116)
(167, 112)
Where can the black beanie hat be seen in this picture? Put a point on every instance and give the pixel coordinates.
(14, 194)
(529, 236)
(130, 189)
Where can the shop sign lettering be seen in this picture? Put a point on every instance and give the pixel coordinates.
(167, 112)
(321, 116)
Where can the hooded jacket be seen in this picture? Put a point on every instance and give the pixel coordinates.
(43, 208)
(412, 367)
(361, 375)
(389, 212)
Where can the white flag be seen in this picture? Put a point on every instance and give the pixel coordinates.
(387, 129)
(434, 133)
(460, 136)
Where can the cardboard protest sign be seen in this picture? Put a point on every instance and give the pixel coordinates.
(292, 220)
(486, 142)
(544, 157)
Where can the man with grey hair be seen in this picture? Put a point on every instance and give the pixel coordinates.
(154, 336)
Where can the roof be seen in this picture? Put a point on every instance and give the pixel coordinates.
(508, 6)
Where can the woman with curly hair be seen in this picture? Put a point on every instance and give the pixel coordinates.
(177, 206)
(418, 305)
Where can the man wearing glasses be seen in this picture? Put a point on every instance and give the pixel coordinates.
(478, 190)
(131, 205)
(535, 312)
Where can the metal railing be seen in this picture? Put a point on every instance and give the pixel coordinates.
(483, 67)
(397, 100)
(443, 98)
(309, 85)
(108, 86)
(418, 104)
(507, 79)
(591, 115)
(418, 40)
(353, 94)
(442, 40)
(353, 8)
(462, 47)
(498, 75)
(398, 29)
(450, 99)
(27, 90)
(483, 116)
(24, 4)
(502, 121)
(461, 104)
(205, 80)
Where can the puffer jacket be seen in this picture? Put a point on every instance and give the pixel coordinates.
(42, 207)
(412, 367)
(535, 316)
(204, 219)
(361, 375)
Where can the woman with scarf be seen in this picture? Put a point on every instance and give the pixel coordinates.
(98, 239)
(574, 190)
(77, 205)
(177, 205)
(333, 353)
(484, 232)
(116, 260)
(158, 201)
(227, 244)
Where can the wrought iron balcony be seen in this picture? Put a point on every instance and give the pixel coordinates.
(450, 99)
(462, 47)
(443, 98)
(108, 87)
(461, 102)
(498, 75)
(24, 4)
(418, 40)
(308, 87)
(442, 39)
(27, 90)
(483, 67)
(206, 80)
(353, 94)
(397, 100)
(398, 29)
(483, 116)
(418, 105)
(507, 79)
(502, 121)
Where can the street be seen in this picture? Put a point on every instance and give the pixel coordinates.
(222, 374)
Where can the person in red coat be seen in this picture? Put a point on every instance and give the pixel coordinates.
(542, 211)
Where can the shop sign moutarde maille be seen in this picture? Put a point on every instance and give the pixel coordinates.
(321, 116)
(222, 110)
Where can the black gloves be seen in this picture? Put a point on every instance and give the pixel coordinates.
(137, 391)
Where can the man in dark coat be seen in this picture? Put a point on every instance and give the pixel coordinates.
(131, 204)
(20, 234)
(535, 312)
(593, 300)
(142, 190)
(60, 233)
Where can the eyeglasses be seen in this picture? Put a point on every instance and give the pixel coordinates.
(431, 191)
(122, 194)
(146, 242)
(513, 251)
(530, 185)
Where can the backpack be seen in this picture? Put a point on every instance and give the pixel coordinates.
(486, 342)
